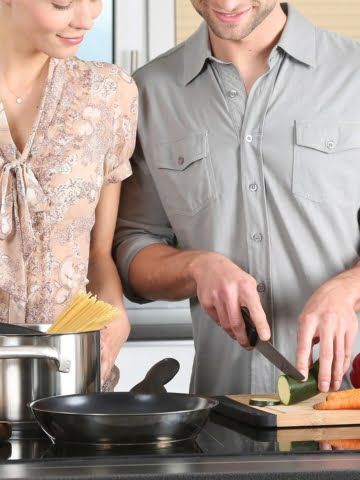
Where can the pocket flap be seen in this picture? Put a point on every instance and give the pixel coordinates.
(179, 154)
(328, 137)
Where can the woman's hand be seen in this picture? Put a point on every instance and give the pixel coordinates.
(112, 339)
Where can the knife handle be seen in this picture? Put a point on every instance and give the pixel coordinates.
(250, 328)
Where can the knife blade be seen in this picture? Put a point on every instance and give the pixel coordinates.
(268, 350)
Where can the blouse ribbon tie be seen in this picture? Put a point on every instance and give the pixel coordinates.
(20, 197)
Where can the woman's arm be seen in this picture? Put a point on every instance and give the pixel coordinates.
(103, 277)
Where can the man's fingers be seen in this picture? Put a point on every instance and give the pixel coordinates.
(223, 317)
(219, 315)
(338, 362)
(348, 346)
(237, 322)
(326, 355)
(211, 311)
(305, 336)
(258, 318)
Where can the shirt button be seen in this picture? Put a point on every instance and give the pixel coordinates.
(249, 138)
(261, 288)
(330, 144)
(233, 93)
(253, 187)
(257, 237)
(181, 160)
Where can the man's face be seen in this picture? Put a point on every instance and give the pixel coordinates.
(233, 19)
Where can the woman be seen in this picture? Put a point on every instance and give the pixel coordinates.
(67, 130)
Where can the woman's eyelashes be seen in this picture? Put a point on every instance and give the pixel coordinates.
(62, 7)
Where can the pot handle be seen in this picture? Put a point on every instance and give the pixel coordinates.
(30, 351)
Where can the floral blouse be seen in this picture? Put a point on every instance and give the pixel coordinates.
(82, 140)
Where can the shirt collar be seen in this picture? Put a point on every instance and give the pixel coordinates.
(297, 40)
(299, 36)
(197, 52)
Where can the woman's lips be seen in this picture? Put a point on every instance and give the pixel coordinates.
(71, 41)
(230, 17)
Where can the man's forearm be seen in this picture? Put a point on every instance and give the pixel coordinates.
(160, 272)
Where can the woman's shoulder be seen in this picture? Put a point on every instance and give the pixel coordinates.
(103, 71)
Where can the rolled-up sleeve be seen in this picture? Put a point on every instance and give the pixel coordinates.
(141, 222)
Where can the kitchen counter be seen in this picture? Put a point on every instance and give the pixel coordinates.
(290, 467)
(224, 449)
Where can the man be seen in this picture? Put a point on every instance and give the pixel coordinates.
(246, 192)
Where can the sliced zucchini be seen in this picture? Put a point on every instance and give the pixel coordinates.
(292, 391)
(298, 446)
(264, 402)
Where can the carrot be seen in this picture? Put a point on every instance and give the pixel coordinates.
(345, 403)
(350, 444)
(343, 394)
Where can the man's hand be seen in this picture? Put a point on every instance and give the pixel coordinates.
(329, 317)
(222, 289)
(112, 339)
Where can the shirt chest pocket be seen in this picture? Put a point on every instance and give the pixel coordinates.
(185, 174)
(327, 162)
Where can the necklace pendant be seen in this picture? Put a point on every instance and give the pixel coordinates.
(19, 100)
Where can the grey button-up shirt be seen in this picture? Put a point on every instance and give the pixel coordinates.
(270, 179)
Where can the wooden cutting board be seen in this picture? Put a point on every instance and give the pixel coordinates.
(299, 415)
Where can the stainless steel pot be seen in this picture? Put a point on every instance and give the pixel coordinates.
(34, 366)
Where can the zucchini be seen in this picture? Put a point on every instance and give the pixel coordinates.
(264, 402)
(292, 391)
(298, 446)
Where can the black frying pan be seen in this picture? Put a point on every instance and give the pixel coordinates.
(146, 415)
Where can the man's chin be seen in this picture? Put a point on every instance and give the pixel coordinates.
(233, 33)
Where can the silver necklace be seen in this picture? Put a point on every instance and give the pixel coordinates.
(20, 98)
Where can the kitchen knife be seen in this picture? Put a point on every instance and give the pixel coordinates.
(268, 350)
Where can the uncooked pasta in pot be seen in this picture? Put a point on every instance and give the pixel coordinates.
(84, 313)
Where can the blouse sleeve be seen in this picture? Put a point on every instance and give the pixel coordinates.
(117, 160)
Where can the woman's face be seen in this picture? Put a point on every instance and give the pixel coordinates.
(54, 27)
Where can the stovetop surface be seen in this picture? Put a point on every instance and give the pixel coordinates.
(220, 437)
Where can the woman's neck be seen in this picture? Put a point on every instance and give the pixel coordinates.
(19, 62)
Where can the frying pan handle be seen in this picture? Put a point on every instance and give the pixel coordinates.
(159, 375)
(30, 351)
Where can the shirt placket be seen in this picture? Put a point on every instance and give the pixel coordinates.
(254, 197)
(248, 115)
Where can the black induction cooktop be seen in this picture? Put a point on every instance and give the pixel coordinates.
(220, 437)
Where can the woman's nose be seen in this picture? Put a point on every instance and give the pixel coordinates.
(83, 18)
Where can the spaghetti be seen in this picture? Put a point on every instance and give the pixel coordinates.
(84, 313)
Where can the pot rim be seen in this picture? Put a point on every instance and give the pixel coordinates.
(42, 327)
